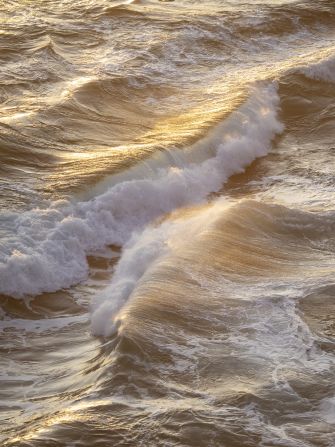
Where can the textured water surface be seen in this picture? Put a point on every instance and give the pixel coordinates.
(167, 223)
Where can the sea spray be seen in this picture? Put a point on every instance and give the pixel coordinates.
(47, 248)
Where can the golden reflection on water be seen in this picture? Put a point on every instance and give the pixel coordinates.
(66, 415)
(96, 122)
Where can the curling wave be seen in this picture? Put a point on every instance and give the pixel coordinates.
(45, 249)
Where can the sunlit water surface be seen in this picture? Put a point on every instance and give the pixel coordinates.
(167, 223)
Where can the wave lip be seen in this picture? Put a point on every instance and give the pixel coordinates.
(249, 241)
(323, 70)
(219, 299)
(46, 248)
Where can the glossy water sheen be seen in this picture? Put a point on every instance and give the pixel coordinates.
(167, 223)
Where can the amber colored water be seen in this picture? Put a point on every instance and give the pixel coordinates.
(167, 223)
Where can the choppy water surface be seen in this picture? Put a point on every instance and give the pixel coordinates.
(167, 223)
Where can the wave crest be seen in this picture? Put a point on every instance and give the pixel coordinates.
(46, 249)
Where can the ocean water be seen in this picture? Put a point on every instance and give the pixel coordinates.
(167, 223)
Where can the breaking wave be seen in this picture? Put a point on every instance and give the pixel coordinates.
(46, 248)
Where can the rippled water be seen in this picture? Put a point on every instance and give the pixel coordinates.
(167, 223)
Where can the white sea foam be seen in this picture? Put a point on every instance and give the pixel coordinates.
(327, 409)
(324, 70)
(269, 332)
(139, 254)
(43, 325)
(45, 249)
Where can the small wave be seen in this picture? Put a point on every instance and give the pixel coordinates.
(214, 297)
(46, 249)
(324, 70)
(122, 10)
(245, 241)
